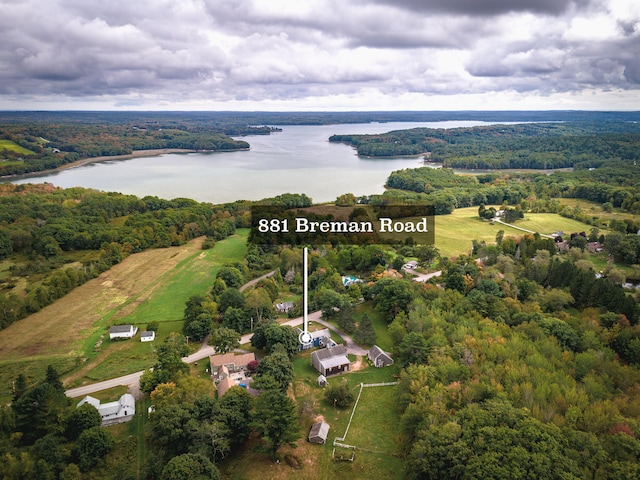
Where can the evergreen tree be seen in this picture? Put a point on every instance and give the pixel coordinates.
(365, 334)
(275, 419)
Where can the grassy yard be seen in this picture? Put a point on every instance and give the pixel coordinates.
(373, 428)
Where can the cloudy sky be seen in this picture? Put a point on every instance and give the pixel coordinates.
(319, 54)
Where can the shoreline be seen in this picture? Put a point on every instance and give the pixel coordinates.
(104, 158)
(126, 156)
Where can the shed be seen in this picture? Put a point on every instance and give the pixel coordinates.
(379, 357)
(319, 432)
(322, 381)
(148, 336)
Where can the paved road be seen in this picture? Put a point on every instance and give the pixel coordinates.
(133, 380)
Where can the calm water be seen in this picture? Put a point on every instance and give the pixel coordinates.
(299, 159)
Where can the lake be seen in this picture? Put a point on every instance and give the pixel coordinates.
(299, 159)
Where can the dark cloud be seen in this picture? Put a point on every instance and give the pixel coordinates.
(254, 50)
(485, 7)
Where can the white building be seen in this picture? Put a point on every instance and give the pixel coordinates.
(148, 336)
(120, 411)
(122, 331)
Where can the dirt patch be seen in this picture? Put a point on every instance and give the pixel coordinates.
(359, 364)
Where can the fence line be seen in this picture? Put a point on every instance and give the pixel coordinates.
(384, 384)
(350, 418)
(336, 440)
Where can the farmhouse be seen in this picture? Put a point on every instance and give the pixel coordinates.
(228, 370)
(234, 363)
(112, 413)
(331, 360)
(379, 357)
(122, 331)
(148, 336)
(319, 432)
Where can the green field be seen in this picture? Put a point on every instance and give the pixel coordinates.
(14, 147)
(454, 233)
(165, 304)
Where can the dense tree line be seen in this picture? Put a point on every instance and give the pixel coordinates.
(43, 436)
(535, 146)
(501, 380)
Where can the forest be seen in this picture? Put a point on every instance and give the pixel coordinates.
(49, 146)
(522, 146)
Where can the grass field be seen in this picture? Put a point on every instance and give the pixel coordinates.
(454, 233)
(14, 147)
(152, 285)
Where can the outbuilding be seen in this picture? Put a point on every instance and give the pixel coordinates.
(379, 357)
(112, 413)
(319, 432)
(331, 360)
(122, 331)
(148, 336)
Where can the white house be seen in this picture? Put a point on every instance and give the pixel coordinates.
(112, 413)
(148, 336)
(122, 331)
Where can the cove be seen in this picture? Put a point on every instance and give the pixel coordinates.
(299, 159)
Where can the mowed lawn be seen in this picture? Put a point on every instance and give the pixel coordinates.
(454, 233)
(152, 285)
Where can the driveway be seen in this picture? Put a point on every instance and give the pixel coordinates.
(132, 380)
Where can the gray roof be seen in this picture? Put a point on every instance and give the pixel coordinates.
(149, 333)
(319, 430)
(120, 328)
(329, 352)
(376, 352)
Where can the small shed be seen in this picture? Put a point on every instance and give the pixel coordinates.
(379, 357)
(322, 381)
(319, 432)
(148, 336)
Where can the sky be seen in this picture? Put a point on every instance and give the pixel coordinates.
(319, 55)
